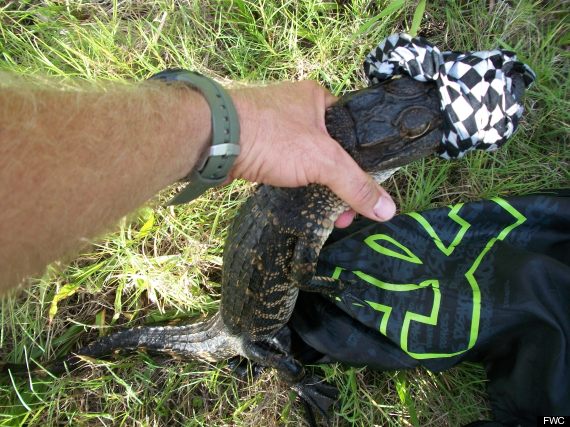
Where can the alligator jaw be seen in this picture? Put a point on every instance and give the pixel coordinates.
(399, 154)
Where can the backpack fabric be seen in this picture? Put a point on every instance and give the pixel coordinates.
(486, 281)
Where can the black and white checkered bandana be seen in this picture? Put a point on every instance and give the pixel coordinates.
(480, 92)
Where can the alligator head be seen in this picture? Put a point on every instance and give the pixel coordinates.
(389, 124)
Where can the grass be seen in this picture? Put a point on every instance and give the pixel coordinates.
(164, 263)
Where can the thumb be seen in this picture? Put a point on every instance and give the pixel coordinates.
(359, 190)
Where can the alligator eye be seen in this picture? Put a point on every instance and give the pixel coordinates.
(414, 122)
(415, 131)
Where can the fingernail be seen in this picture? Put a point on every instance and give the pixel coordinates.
(384, 208)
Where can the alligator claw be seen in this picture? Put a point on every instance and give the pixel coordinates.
(316, 395)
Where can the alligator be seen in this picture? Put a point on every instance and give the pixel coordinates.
(273, 243)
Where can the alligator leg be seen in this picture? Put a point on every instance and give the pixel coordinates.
(268, 354)
(282, 342)
(317, 394)
(303, 271)
(239, 366)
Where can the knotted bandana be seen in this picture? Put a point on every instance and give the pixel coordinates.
(480, 92)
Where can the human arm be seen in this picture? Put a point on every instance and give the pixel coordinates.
(72, 162)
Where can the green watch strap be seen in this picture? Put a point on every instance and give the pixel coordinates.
(225, 134)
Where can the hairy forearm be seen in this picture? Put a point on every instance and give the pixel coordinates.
(72, 162)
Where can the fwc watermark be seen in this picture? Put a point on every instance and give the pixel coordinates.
(553, 421)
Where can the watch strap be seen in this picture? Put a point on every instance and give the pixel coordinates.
(224, 148)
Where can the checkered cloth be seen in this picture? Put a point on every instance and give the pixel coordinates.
(480, 92)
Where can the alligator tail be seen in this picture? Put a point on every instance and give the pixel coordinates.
(209, 341)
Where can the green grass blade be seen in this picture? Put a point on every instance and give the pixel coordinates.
(417, 19)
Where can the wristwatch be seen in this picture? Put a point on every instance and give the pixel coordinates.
(224, 148)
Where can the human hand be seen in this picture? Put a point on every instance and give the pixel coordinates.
(284, 142)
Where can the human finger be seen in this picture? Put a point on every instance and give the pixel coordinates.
(358, 189)
(345, 219)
